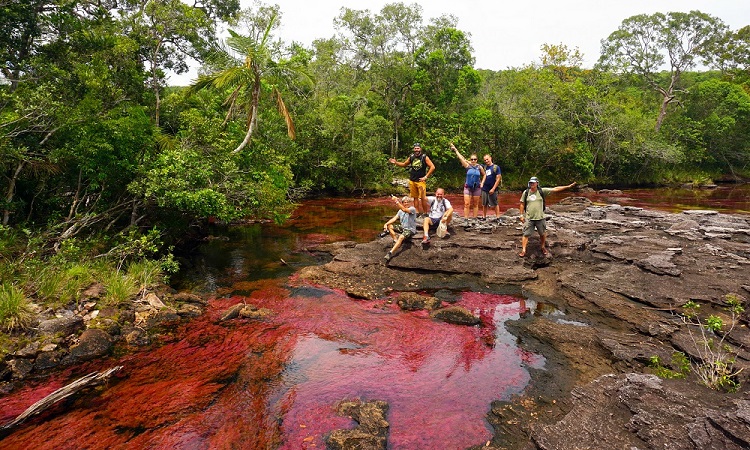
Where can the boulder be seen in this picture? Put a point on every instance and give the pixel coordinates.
(456, 315)
(187, 297)
(232, 313)
(253, 312)
(371, 431)
(93, 343)
(61, 325)
(411, 301)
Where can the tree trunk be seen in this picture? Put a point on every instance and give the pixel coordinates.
(252, 120)
(663, 110)
(11, 192)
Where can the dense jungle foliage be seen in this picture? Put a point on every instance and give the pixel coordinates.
(100, 157)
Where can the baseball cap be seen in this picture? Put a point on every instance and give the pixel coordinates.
(416, 144)
(534, 180)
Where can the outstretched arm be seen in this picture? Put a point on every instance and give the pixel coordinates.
(399, 163)
(563, 188)
(461, 158)
(401, 206)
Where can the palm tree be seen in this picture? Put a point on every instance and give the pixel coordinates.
(257, 66)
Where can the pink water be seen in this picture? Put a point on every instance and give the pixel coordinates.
(276, 383)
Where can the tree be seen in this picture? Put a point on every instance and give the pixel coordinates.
(251, 62)
(564, 62)
(171, 31)
(732, 53)
(381, 50)
(644, 43)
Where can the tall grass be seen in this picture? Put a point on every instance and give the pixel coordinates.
(15, 312)
(58, 286)
(145, 273)
(118, 287)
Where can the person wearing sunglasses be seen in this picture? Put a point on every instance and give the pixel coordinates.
(420, 168)
(475, 177)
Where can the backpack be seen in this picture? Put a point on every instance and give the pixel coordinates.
(440, 205)
(473, 175)
(526, 196)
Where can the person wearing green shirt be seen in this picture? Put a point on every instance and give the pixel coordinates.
(532, 213)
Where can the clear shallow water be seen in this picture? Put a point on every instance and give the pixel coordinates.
(275, 383)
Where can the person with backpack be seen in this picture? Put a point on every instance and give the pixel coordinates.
(475, 177)
(493, 178)
(441, 211)
(420, 168)
(532, 213)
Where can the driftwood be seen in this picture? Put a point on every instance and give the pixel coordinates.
(92, 379)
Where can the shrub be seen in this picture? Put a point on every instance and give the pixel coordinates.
(15, 312)
(715, 366)
(680, 366)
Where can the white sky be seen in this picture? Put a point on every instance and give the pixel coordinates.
(505, 34)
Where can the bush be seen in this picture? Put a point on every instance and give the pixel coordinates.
(15, 312)
(716, 365)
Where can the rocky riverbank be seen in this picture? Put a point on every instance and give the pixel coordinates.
(86, 330)
(622, 277)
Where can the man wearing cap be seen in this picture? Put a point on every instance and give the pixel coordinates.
(420, 169)
(532, 213)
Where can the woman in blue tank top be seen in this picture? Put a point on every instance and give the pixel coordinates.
(474, 179)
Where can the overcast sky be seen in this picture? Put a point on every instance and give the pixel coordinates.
(505, 34)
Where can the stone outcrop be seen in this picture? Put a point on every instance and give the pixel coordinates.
(90, 328)
(371, 430)
(622, 275)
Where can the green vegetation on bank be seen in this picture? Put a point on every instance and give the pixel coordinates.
(97, 152)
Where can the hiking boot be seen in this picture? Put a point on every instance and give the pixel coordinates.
(388, 257)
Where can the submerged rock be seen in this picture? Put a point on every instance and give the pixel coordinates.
(455, 315)
(371, 431)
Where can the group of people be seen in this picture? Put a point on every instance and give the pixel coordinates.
(482, 183)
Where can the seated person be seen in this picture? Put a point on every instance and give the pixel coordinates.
(440, 211)
(407, 216)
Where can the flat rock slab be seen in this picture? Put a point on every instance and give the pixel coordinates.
(624, 273)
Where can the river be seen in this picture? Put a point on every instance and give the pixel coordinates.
(275, 383)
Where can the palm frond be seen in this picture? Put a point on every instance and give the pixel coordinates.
(285, 114)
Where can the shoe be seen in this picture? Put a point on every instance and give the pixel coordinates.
(546, 253)
(447, 235)
(426, 240)
(522, 254)
(384, 234)
(388, 257)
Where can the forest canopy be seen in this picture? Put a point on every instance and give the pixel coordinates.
(92, 139)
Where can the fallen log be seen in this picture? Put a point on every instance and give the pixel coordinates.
(90, 380)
